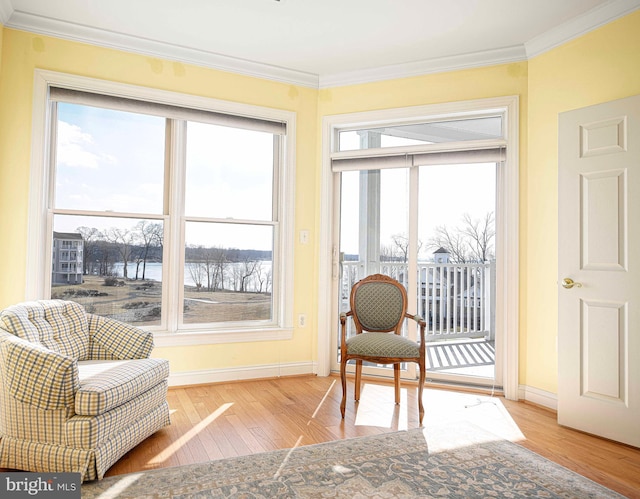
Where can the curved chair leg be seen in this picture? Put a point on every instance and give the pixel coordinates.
(358, 376)
(396, 380)
(343, 379)
(420, 388)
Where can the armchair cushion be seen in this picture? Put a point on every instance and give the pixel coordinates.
(382, 345)
(115, 340)
(108, 384)
(58, 325)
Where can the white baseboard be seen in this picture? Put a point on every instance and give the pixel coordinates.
(241, 373)
(537, 396)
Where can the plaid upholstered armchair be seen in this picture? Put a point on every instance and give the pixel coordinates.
(378, 308)
(77, 391)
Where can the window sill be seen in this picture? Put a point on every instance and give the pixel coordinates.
(215, 337)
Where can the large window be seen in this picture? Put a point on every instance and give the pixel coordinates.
(181, 215)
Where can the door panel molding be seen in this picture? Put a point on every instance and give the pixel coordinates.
(598, 237)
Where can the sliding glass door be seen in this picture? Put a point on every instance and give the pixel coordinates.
(457, 270)
(428, 220)
(374, 233)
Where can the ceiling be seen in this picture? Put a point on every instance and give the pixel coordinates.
(320, 43)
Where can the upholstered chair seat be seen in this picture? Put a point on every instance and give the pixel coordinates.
(382, 345)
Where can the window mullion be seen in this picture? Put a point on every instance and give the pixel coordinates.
(50, 173)
(173, 253)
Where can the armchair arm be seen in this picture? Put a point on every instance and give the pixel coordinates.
(343, 324)
(421, 326)
(117, 340)
(38, 376)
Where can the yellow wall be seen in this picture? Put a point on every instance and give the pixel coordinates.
(600, 66)
(23, 52)
(596, 67)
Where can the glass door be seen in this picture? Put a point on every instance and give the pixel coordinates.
(418, 204)
(431, 227)
(457, 270)
(374, 237)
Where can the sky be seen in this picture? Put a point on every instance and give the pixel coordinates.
(446, 193)
(113, 161)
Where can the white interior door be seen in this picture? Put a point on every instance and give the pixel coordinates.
(599, 250)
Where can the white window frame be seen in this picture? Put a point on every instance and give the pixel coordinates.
(39, 254)
(507, 216)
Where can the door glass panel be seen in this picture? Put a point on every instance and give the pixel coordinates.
(374, 231)
(456, 267)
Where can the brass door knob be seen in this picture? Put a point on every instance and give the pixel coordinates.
(569, 283)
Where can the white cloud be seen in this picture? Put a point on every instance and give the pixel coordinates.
(73, 147)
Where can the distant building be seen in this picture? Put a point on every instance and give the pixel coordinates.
(441, 255)
(67, 258)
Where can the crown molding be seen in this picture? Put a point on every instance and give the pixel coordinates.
(127, 43)
(580, 25)
(6, 9)
(418, 68)
(569, 30)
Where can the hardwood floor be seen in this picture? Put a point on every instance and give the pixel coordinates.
(232, 419)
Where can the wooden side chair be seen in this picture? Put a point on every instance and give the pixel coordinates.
(378, 308)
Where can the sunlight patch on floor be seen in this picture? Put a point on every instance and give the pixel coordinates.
(183, 439)
(377, 407)
(442, 407)
(286, 458)
(486, 414)
(326, 394)
(120, 486)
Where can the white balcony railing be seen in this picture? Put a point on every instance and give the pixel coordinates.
(456, 300)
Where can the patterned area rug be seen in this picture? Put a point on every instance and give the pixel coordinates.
(459, 461)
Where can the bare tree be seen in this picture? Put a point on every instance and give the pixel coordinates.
(137, 257)
(246, 271)
(260, 278)
(452, 241)
(481, 233)
(472, 241)
(106, 257)
(214, 261)
(268, 279)
(399, 249)
(220, 263)
(91, 239)
(197, 273)
(147, 235)
(401, 246)
(123, 239)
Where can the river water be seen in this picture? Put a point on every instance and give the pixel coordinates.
(153, 272)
